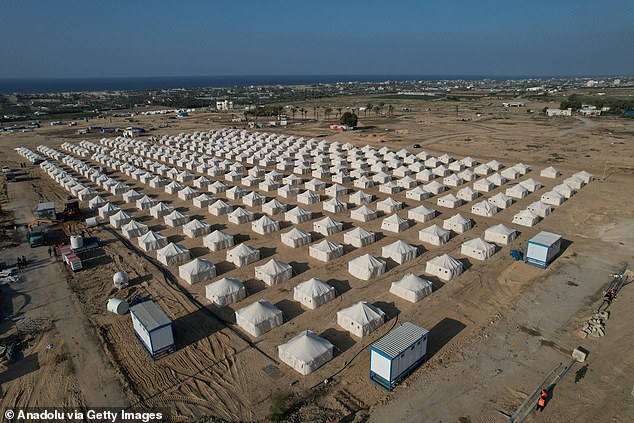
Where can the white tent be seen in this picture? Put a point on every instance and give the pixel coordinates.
(336, 190)
(360, 198)
(308, 197)
(497, 179)
(287, 191)
(394, 223)
(119, 219)
(517, 191)
(531, 185)
(389, 205)
(478, 249)
(564, 190)
(553, 198)
(421, 214)
(202, 201)
(144, 203)
(444, 267)
(243, 255)
(160, 209)
(219, 207)
(334, 206)
(574, 182)
(500, 200)
(467, 194)
(411, 288)
(313, 293)
(511, 173)
(87, 194)
(500, 234)
(586, 177)
(298, 215)
(457, 223)
(218, 240)
(540, 209)
(366, 267)
(449, 201)
(483, 185)
(306, 352)
(274, 272)
(325, 250)
(327, 226)
(107, 210)
(363, 214)
(274, 207)
(131, 196)
(265, 225)
(358, 237)
(172, 254)
(550, 172)
(152, 241)
(197, 270)
(176, 218)
(417, 194)
(240, 216)
(96, 202)
(196, 228)
(361, 319)
(434, 187)
(253, 199)
(484, 208)
(467, 175)
(225, 291)
(525, 218)
(259, 317)
(453, 180)
(173, 187)
(296, 238)
(399, 251)
(134, 229)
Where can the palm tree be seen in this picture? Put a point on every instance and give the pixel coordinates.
(390, 110)
(315, 112)
(293, 111)
(327, 112)
(368, 108)
(339, 109)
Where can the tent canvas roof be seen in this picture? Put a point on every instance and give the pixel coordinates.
(362, 313)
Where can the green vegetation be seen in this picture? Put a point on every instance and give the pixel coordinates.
(616, 105)
(349, 119)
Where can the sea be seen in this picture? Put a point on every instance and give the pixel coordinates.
(61, 85)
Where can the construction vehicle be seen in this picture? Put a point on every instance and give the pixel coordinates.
(36, 232)
(71, 211)
(610, 293)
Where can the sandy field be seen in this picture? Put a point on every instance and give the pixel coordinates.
(496, 330)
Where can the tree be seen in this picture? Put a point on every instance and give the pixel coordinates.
(339, 109)
(377, 109)
(349, 119)
(293, 111)
(368, 108)
(327, 112)
(390, 110)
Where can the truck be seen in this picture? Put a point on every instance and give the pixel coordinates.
(71, 256)
(36, 232)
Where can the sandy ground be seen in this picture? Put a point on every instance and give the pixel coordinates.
(485, 367)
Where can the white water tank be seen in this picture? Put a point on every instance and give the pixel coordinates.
(117, 305)
(76, 241)
(120, 279)
(91, 222)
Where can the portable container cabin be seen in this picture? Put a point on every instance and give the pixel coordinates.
(542, 248)
(397, 354)
(152, 328)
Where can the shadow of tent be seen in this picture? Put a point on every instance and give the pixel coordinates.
(193, 327)
(390, 309)
(340, 339)
(299, 268)
(140, 279)
(176, 238)
(254, 286)
(23, 367)
(341, 286)
(291, 309)
(266, 252)
(442, 333)
(198, 251)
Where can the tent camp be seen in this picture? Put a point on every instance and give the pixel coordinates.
(525, 218)
(219, 207)
(313, 293)
(517, 191)
(134, 229)
(366, 267)
(500, 200)
(243, 255)
(160, 210)
(358, 237)
(531, 185)
(225, 291)
(540, 209)
(484, 208)
(449, 201)
(240, 216)
(274, 272)
(298, 215)
(218, 240)
(434, 235)
(457, 223)
(500, 234)
(96, 202)
(172, 254)
(306, 352)
(467, 194)
(421, 214)
(360, 319)
(363, 214)
(259, 317)
(265, 225)
(131, 196)
(444, 267)
(483, 185)
(176, 218)
(203, 201)
(553, 198)
(564, 190)
(187, 193)
(574, 182)
(327, 226)
(550, 172)
(325, 250)
(360, 198)
(196, 228)
(197, 270)
(399, 251)
(273, 207)
(152, 241)
(308, 197)
(417, 194)
(411, 288)
(334, 206)
(253, 199)
(296, 238)
(119, 219)
(144, 203)
(394, 223)
(389, 205)
(477, 248)
(434, 187)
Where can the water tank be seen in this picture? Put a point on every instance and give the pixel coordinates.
(117, 305)
(91, 222)
(120, 279)
(76, 241)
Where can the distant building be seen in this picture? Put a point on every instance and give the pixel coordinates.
(590, 112)
(559, 112)
(511, 104)
(224, 105)
(132, 132)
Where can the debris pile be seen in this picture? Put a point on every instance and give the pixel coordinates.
(595, 325)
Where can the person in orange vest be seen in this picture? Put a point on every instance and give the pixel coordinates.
(541, 402)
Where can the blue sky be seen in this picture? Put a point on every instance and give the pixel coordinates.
(172, 38)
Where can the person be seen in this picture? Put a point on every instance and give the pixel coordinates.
(24, 262)
(541, 402)
(49, 252)
(19, 263)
